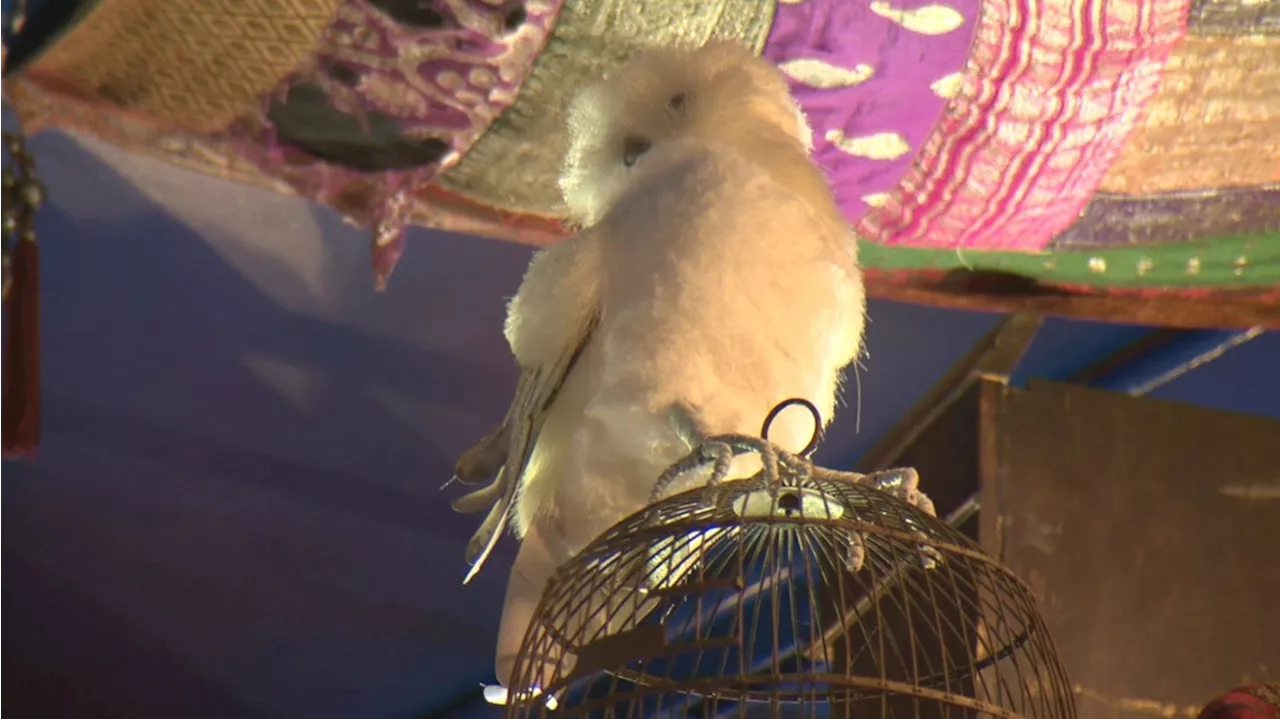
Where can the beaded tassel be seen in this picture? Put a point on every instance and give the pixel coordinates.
(23, 195)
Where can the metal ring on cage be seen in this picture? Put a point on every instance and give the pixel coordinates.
(712, 450)
(817, 423)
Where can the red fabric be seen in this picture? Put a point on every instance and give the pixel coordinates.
(1244, 703)
(21, 430)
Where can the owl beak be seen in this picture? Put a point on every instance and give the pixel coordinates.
(632, 148)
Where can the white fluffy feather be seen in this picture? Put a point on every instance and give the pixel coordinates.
(715, 271)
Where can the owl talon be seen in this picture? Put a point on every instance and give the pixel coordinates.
(930, 557)
(903, 483)
(857, 551)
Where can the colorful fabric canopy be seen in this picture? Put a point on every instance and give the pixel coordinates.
(1011, 148)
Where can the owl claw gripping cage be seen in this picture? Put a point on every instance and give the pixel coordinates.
(801, 591)
(776, 498)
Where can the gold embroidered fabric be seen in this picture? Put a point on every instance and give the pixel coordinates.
(1269, 693)
(1213, 123)
(217, 156)
(1234, 17)
(196, 64)
(38, 109)
(514, 165)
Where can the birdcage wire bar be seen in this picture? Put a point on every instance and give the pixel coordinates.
(802, 592)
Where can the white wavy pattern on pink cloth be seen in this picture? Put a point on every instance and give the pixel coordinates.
(1051, 91)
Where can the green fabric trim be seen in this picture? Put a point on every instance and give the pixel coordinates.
(1249, 261)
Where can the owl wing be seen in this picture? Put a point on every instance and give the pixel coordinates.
(536, 390)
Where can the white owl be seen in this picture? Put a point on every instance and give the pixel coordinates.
(713, 272)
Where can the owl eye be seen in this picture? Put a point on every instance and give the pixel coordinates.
(677, 101)
(632, 148)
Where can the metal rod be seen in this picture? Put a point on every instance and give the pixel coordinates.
(1173, 359)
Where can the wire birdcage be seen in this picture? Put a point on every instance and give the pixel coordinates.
(800, 592)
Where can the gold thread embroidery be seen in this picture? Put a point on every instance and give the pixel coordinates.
(1212, 123)
(927, 20)
(880, 146)
(824, 75)
(948, 86)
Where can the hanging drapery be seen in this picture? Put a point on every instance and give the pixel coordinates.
(22, 196)
(1110, 158)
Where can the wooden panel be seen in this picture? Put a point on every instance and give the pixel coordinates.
(991, 402)
(994, 357)
(1146, 530)
(945, 455)
(939, 436)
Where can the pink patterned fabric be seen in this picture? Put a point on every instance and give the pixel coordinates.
(1051, 93)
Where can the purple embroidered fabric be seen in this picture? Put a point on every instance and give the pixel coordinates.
(907, 47)
(442, 74)
(1118, 220)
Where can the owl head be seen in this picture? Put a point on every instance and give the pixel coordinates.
(720, 93)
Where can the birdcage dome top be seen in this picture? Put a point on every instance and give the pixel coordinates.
(797, 592)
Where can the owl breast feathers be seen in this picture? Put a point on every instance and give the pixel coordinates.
(712, 274)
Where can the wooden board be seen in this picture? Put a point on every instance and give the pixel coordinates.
(1132, 520)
